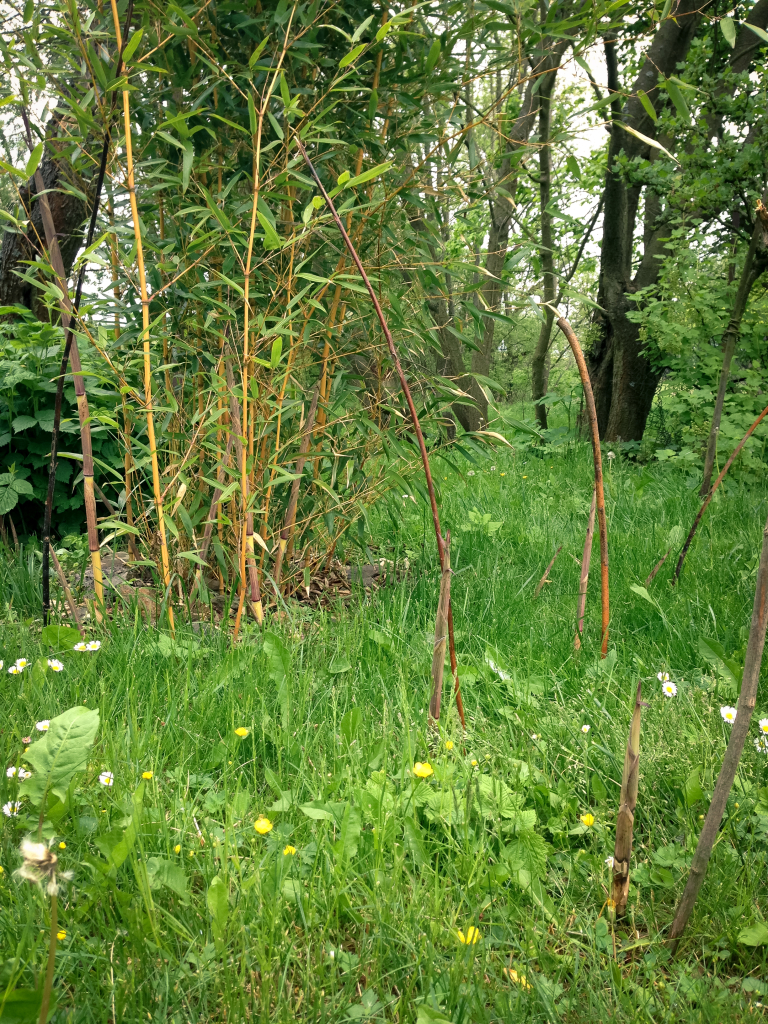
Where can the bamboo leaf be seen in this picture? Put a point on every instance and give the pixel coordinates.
(132, 45)
(647, 105)
(352, 55)
(648, 141)
(34, 159)
(759, 32)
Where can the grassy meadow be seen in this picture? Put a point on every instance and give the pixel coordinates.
(363, 900)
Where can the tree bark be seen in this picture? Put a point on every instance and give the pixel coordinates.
(539, 369)
(749, 274)
(624, 380)
(68, 212)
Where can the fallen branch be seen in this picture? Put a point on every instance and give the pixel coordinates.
(589, 399)
(547, 571)
(67, 592)
(652, 575)
(711, 494)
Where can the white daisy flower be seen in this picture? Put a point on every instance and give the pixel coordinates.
(82, 646)
(43, 726)
(1, 663)
(55, 665)
(93, 645)
(21, 664)
(663, 677)
(14, 670)
(11, 809)
(585, 729)
(609, 863)
(763, 725)
(535, 737)
(729, 714)
(24, 774)
(107, 779)
(668, 689)
(11, 772)
(761, 744)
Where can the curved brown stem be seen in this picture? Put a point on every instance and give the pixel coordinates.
(589, 400)
(403, 384)
(715, 485)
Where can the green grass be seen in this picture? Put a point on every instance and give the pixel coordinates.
(362, 922)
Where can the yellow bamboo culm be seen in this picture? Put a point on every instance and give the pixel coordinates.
(145, 334)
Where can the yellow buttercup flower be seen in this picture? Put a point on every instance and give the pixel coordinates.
(517, 979)
(62, 846)
(588, 820)
(177, 848)
(289, 851)
(147, 775)
(471, 936)
(423, 771)
(61, 935)
(241, 732)
(449, 744)
(263, 825)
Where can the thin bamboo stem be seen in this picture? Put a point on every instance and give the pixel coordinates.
(145, 336)
(547, 571)
(710, 496)
(441, 635)
(586, 559)
(625, 821)
(67, 592)
(396, 359)
(739, 732)
(589, 398)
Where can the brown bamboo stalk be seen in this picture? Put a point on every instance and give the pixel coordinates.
(710, 496)
(403, 380)
(212, 514)
(145, 334)
(293, 500)
(589, 399)
(248, 556)
(441, 635)
(625, 821)
(77, 373)
(586, 559)
(652, 574)
(547, 571)
(67, 592)
(739, 731)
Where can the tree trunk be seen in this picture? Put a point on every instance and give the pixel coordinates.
(68, 213)
(539, 368)
(624, 380)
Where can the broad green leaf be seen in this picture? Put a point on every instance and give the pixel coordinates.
(271, 237)
(117, 852)
(573, 165)
(413, 839)
(257, 52)
(426, 1015)
(339, 663)
(63, 750)
(647, 105)
(350, 724)
(317, 810)
(168, 873)
(34, 159)
(61, 638)
(528, 853)
(345, 847)
(8, 500)
(714, 653)
(679, 101)
(692, 789)
(23, 423)
(754, 935)
(761, 33)
(217, 901)
(132, 45)
(352, 55)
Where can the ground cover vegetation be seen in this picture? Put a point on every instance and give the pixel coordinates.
(272, 280)
(273, 832)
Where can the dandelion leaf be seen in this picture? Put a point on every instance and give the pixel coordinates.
(217, 902)
(755, 935)
(167, 873)
(279, 659)
(345, 847)
(63, 750)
